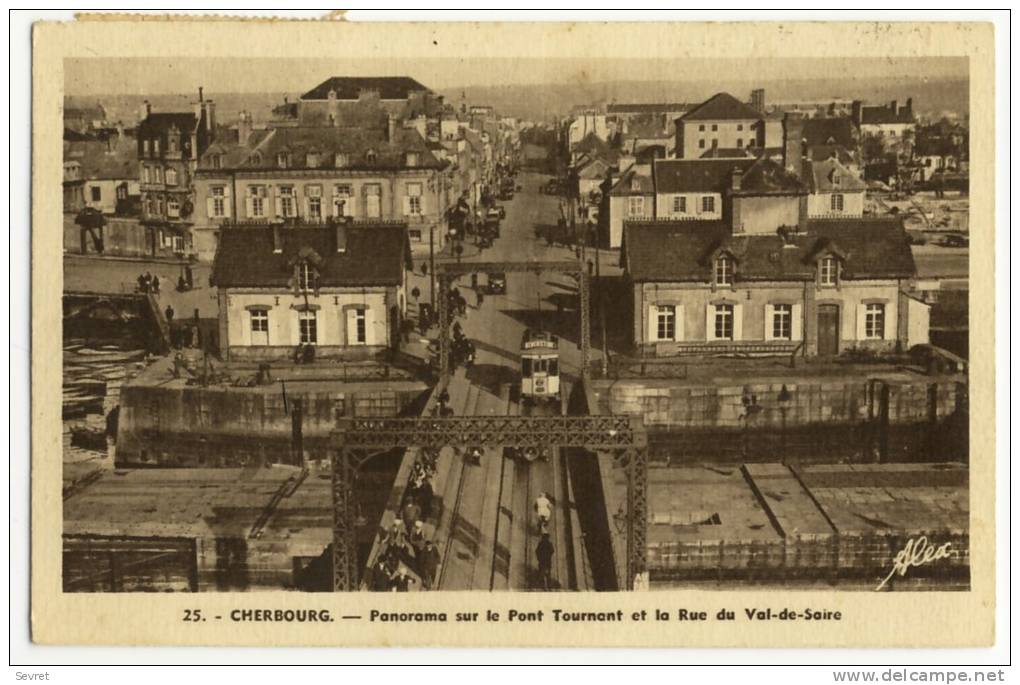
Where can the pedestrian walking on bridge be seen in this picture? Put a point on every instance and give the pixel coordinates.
(543, 509)
(429, 564)
(544, 554)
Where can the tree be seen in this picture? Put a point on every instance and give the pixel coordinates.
(873, 147)
(92, 222)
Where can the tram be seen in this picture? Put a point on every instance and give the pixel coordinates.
(540, 366)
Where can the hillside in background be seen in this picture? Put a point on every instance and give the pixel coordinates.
(542, 101)
(554, 100)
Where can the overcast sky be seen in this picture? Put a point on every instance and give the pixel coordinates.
(102, 76)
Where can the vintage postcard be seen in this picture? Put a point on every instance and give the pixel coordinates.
(659, 334)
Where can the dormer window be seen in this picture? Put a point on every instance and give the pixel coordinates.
(412, 159)
(370, 156)
(282, 160)
(723, 270)
(255, 158)
(312, 160)
(306, 277)
(828, 271)
(835, 177)
(216, 161)
(340, 160)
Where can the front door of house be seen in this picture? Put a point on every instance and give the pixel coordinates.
(828, 330)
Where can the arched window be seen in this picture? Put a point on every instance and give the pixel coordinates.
(171, 176)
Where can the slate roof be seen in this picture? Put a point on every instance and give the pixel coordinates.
(695, 175)
(934, 147)
(647, 107)
(664, 251)
(376, 255)
(722, 106)
(726, 153)
(593, 169)
(886, 114)
(158, 123)
(820, 176)
(348, 87)
(768, 177)
(625, 186)
(819, 153)
(829, 131)
(326, 141)
(99, 162)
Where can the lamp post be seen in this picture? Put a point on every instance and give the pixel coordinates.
(593, 238)
(784, 405)
(432, 267)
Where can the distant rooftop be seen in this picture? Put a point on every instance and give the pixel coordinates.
(351, 87)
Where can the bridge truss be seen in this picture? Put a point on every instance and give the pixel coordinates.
(358, 440)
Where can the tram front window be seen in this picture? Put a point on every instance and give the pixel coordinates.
(554, 367)
(526, 368)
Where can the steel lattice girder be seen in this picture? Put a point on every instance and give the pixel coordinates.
(624, 435)
(591, 432)
(454, 269)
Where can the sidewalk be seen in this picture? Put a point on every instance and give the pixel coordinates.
(117, 276)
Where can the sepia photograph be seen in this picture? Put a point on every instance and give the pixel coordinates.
(375, 334)
(567, 325)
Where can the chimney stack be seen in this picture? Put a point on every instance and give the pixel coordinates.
(210, 116)
(892, 106)
(793, 142)
(146, 110)
(391, 128)
(340, 230)
(736, 177)
(277, 240)
(855, 111)
(243, 128)
(200, 99)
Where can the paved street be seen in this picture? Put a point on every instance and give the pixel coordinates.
(531, 300)
(93, 274)
(934, 261)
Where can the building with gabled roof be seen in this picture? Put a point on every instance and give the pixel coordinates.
(892, 120)
(169, 146)
(830, 131)
(339, 289)
(109, 170)
(631, 197)
(309, 175)
(722, 121)
(355, 100)
(699, 288)
(834, 190)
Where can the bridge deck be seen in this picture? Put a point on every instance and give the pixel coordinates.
(483, 520)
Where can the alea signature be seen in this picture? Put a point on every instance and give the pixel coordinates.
(917, 552)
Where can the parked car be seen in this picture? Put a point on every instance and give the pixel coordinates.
(955, 240)
(496, 283)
